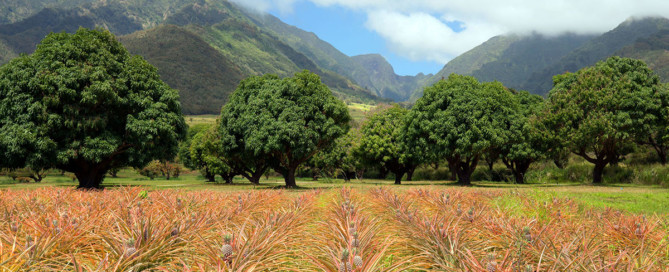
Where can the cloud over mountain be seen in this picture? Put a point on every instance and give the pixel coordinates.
(419, 29)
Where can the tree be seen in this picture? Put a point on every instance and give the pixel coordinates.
(527, 144)
(460, 119)
(280, 122)
(600, 111)
(382, 142)
(658, 138)
(82, 104)
(184, 146)
(204, 149)
(339, 158)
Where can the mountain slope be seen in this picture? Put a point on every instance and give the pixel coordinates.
(362, 70)
(186, 62)
(653, 50)
(383, 79)
(510, 59)
(595, 50)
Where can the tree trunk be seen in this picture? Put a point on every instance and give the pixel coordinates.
(465, 170)
(90, 177)
(661, 153)
(255, 177)
(598, 172)
(464, 177)
(398, 177)
(410, 171)
(453, 169)
(289, 177)
(314, 174)
(210, 177)
(228, 178)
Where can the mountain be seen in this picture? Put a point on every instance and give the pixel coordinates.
(382, 78)
(653, 50)
(203, 48)
(599, 48)
(187, 62)
(510, 59)
(529, 62)
(357, 68)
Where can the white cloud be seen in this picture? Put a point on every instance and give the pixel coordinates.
(284, 6)
(417, 30)
(420, 36)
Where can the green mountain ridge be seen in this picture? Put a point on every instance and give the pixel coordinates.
(202, 49)
(598, 48)
(529, 62)
(653, 50)
(187, 62)
(384, 82)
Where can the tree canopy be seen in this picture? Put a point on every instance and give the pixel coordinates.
(459, 119)
(205, 154)
(383, 142)
(600, 111)
(282, 122)
(83, 104)
(527, 143)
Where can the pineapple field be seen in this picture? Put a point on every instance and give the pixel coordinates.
(373, 229)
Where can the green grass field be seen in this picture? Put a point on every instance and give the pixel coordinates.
(356, 110)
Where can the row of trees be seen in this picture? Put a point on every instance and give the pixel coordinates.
(599, 113)
(82, 104)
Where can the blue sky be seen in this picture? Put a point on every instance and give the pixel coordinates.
(422, 35)
(345, 30)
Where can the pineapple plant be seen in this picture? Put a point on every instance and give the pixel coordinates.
(355, 242)
(492, 264)
(527, 235)
(345, 266)
(226, 249)
(130, 249)
(357, 260)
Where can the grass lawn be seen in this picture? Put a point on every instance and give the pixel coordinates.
(356, 110)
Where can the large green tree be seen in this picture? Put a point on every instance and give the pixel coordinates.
(205, 153)
(83, 104)
(600, 111)
(527, 143)
(383, 142)
(460, 119)
(281, 122)
(184, 146)
(340, 157)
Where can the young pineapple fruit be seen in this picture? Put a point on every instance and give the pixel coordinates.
(226, 249)
(355, 242)
(130, 249)
(345, 266)
(357, 260)
(527, 235)
(492, 264)
(351, 229)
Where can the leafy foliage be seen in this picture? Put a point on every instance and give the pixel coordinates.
(599, 111)
(205, 155)
(383, 142)
(459, 119)
(287, 120)
(339, 158)
(82, 104)
(527, 143)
